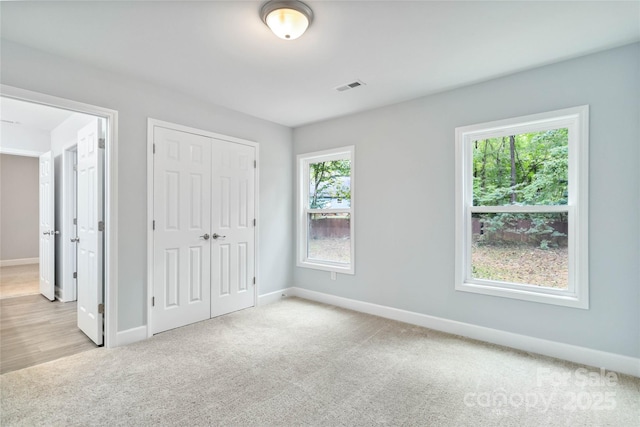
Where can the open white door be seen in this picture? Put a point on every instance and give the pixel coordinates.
(47, 224)
(90, 279)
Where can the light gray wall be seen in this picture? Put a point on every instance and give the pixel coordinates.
(135, 101)
(18, 207)
(405, 200)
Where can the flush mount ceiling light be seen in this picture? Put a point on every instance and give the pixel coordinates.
(287, 19)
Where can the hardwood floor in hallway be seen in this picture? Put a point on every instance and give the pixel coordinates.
(34, 330)
(19, 280)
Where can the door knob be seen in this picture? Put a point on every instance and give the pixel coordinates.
(217, 236)
(46, 233)
(75, 239)
(54, 232)
(206, 236)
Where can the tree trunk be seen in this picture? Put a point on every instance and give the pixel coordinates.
(483, 181)
(318, 175)
(512, 151)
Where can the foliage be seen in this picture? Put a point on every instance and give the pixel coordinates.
(329, 180)
(528, 169)
(517, 228)
(525, 169)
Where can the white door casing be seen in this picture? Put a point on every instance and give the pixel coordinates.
(90, 280)
(182, 215)
(110, 118)
(47, 226)
(233, 213)
(72, 247)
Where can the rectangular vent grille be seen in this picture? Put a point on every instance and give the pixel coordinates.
(349, 86)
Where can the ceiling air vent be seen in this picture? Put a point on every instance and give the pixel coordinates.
(349, 86)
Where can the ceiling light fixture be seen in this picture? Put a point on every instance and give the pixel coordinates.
(287, 19)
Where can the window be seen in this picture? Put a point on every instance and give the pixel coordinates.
(325, 210)
(521, 207)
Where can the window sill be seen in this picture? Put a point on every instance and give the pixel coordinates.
(565, 299)
(336, 268)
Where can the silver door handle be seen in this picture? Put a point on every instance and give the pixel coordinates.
(217, 236)
(54, 232)
(205, 236)
(46, 233)
(75, 239)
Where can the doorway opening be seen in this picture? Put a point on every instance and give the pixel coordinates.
(34, 124)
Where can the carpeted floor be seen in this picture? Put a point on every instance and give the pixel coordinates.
(301, 363)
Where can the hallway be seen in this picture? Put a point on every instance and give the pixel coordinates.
(34, 330)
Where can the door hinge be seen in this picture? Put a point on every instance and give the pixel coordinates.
(101, 226)
(75, 274)
(254, 280)
(153, 301)
(75, 221)
(254, 222)
(154, 224)
(100, 142)
(100, 308)
(75, 167)
(255, 164)
(154, 148)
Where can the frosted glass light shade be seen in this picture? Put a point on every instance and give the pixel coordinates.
(287, 19)
(288, 24)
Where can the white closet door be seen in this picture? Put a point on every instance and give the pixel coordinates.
(233, 252)
(47, 224)
(182, 214)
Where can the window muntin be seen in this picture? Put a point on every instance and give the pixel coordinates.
(325, 218)
(521, 206)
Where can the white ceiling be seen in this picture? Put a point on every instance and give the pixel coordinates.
(30, 115)
(222, 53)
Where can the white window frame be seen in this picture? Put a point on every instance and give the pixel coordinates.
(303, 162)
(576, 119)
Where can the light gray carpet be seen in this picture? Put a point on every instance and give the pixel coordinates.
(301, 363)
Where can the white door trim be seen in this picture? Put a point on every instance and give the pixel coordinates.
(150, 125)
(111, 194)
(67, 291)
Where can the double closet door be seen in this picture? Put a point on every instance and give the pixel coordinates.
(204, 228)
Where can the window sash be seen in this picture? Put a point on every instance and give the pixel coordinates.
(327, 211)
(304, 164)
(571, 286)
(520, 209)
(576, 121)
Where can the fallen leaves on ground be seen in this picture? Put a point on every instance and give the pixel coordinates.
(522, 264)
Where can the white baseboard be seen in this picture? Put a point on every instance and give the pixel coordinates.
(273, 296)
(131, 335)
(586, 356)
(20, 261)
